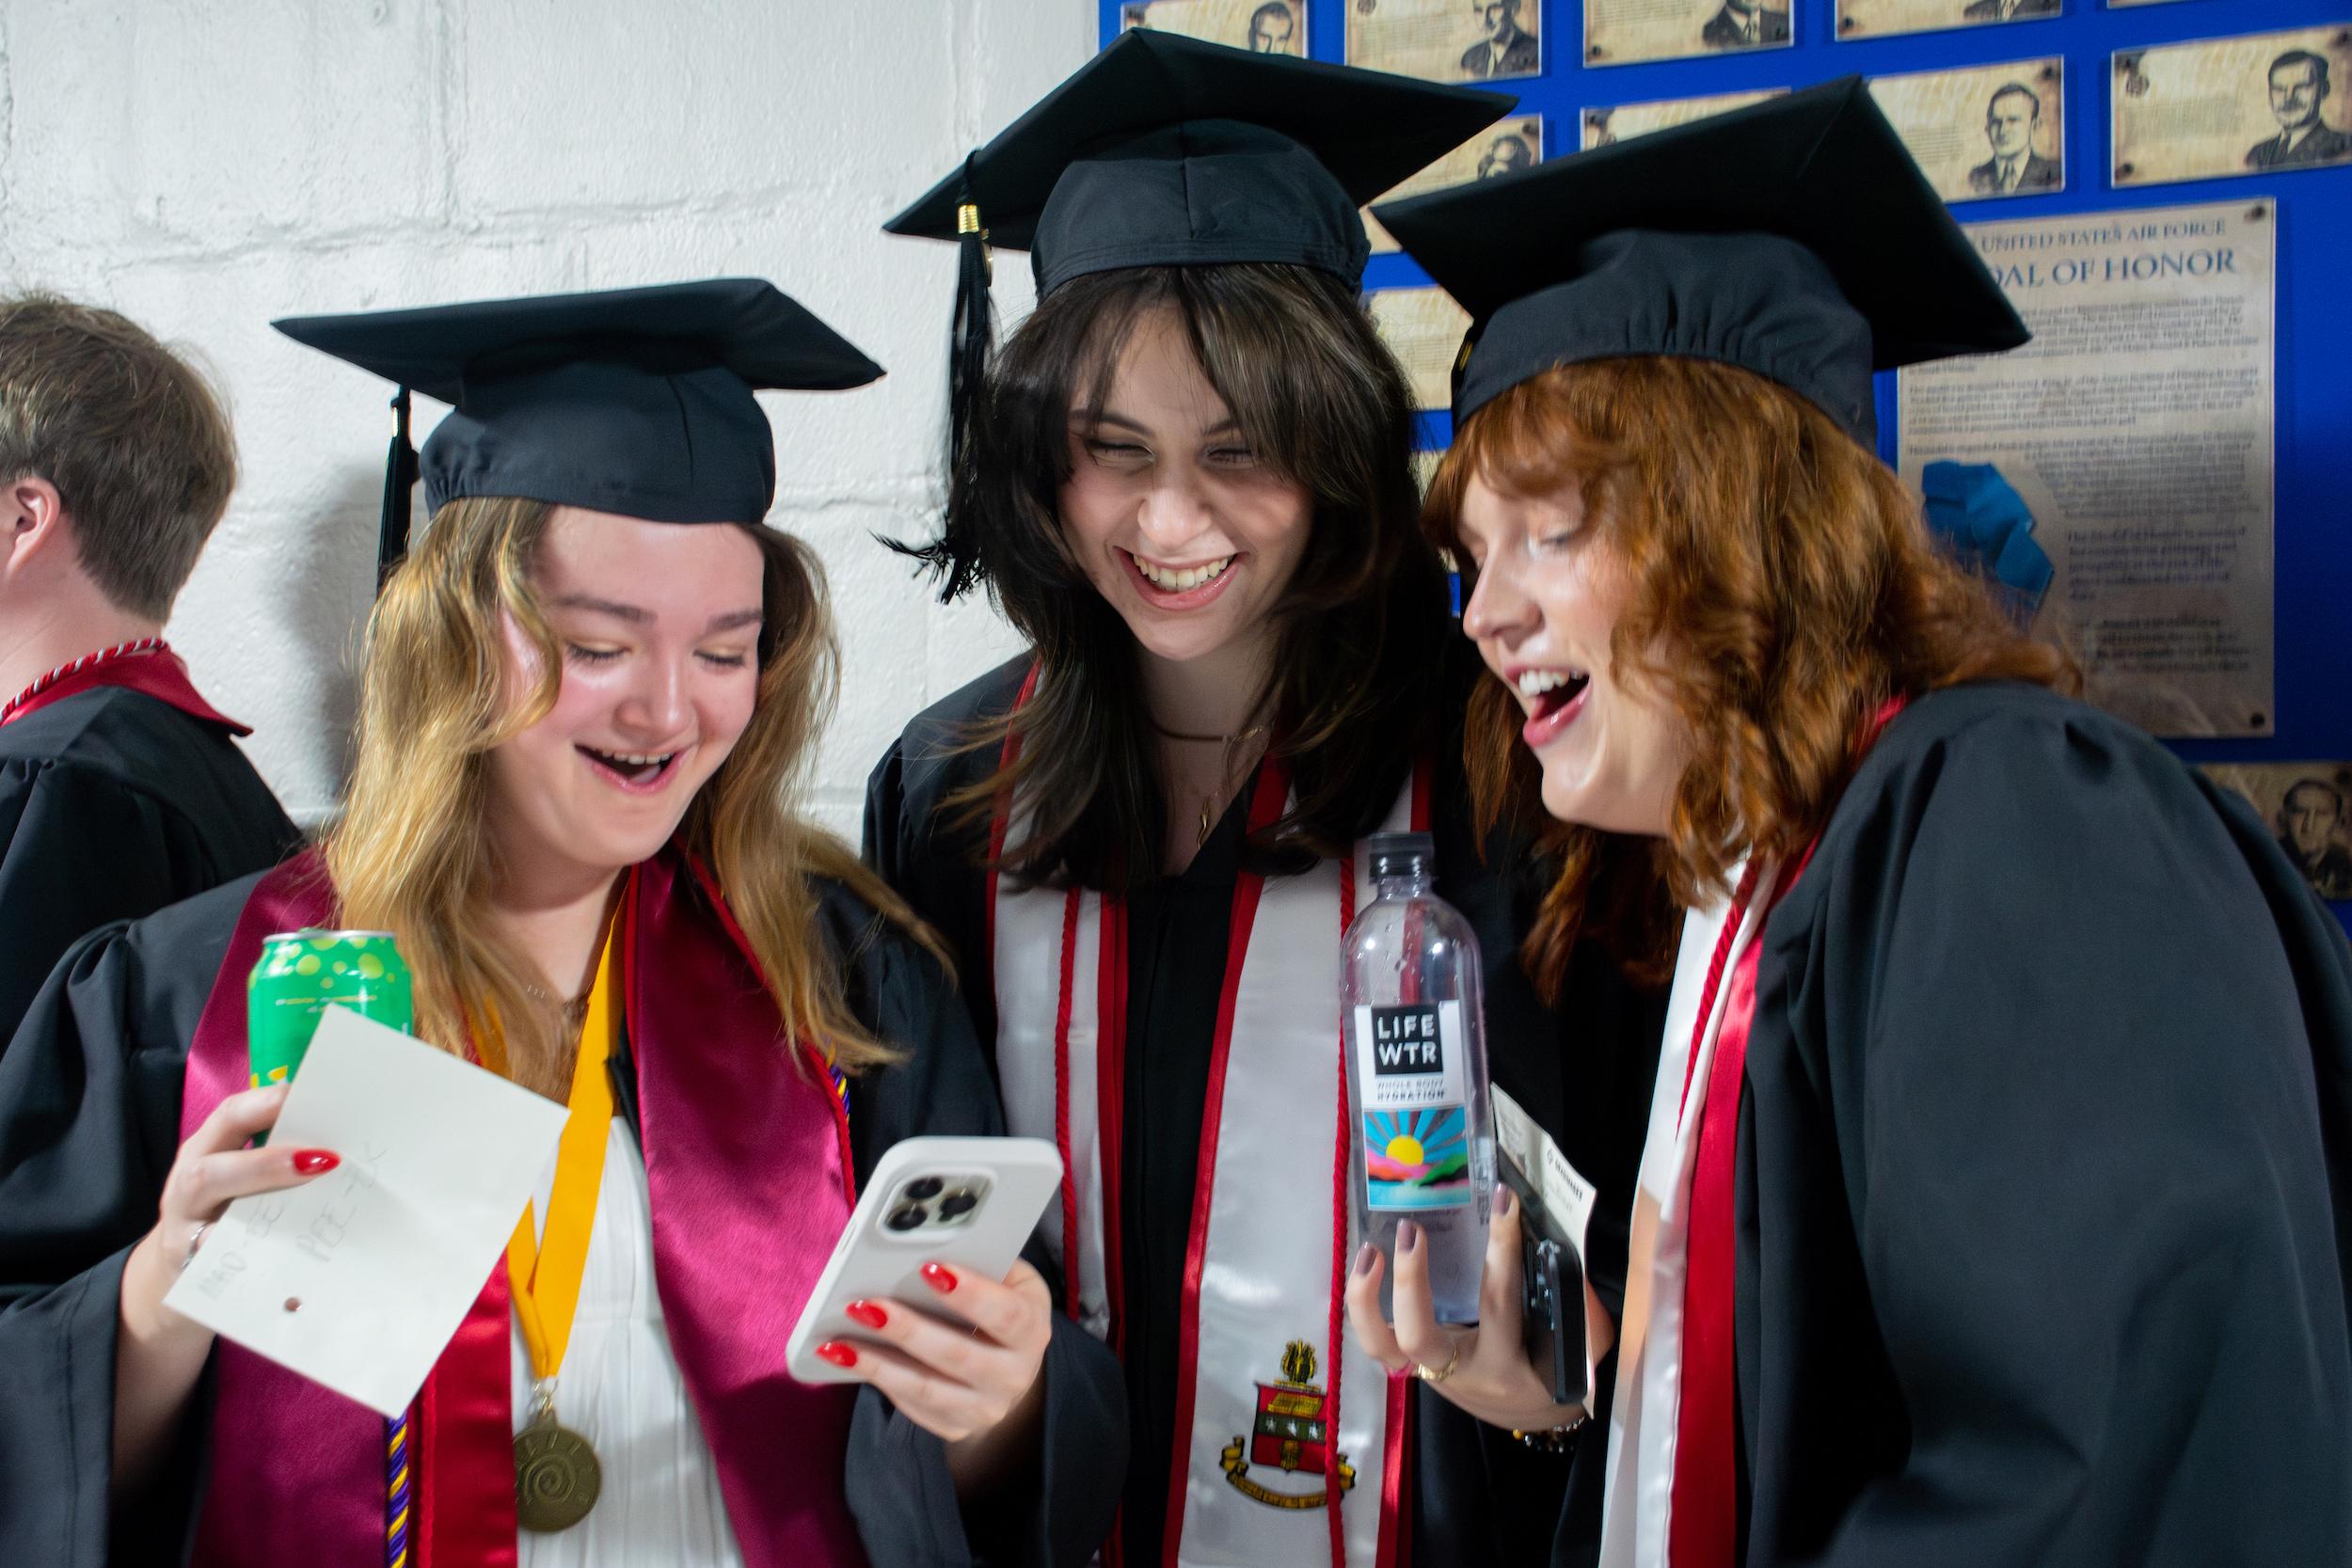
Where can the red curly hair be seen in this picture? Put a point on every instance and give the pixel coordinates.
(1788, 586)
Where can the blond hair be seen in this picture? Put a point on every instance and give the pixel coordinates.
(410, 855)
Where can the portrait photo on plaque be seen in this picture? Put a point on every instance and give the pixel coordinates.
(1503, 148)
(1986, 131)
(2307, 806)
(1261, 26)
(1602, 125)
(1870, 19)
(1423, 328)
(2263, 103)
(1623, 32)
(1447, 41)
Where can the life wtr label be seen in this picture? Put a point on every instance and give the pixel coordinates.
(1416, 1132)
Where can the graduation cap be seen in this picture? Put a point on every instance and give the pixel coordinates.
(1794, 238)
(630, 401)
(1165, 150)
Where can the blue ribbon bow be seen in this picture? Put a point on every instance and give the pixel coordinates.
(1990, 530)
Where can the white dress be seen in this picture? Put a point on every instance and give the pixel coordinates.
(620, 1389)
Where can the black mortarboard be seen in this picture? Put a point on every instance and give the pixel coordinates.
(630, 401)
(1164, 150)
(1794, 238)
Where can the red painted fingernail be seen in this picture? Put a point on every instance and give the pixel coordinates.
(1365, 1255)
(837, 1352)
(1407, 1235)
(310, 1161)
(868, 1313)
(1505, 1199)
(938, 1277)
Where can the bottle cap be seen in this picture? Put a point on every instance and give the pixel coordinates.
(1400, 854)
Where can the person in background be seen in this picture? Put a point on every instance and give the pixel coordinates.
(121, 790)
(1273, 29)
(572, 805)
(1999, 1193)
(2310, 815)
(1187, 482)
(2012, 119)
(2300, 86)
(1504, 47)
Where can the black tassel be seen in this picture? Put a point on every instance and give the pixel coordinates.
(400, 476)
(971, 336)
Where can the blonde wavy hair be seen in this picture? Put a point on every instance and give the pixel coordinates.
(410, 854)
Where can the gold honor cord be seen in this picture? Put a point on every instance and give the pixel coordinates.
(557, 1476)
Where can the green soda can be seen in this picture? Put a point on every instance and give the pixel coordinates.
(300, 975)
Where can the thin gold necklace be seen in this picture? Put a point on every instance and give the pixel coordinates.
(573, 1011)
(1210, 800)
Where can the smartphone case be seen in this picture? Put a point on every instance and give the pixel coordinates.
(1553, 1282)
(909, 1216)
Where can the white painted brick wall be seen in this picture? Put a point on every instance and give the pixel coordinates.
(207, 165)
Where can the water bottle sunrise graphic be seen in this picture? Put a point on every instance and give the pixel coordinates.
(1416, 1159)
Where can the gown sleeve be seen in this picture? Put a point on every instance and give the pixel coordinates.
(896, 1473)
(79, 850)
(2042, 1148)
(89, 1112)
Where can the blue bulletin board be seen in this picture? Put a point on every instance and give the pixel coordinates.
(2312, 572)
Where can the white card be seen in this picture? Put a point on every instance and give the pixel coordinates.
(358, 1279)
(1563, 1191)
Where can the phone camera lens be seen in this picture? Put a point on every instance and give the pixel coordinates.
(958, 1204)
(924, 1188)
(907, 1216)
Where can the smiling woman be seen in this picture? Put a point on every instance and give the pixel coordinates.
(1998, 1171)
(1185, 478)
(586, 697)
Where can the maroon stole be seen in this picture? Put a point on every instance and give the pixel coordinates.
(733, 1139)
(147, 666)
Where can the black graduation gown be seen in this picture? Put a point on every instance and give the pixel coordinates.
(2036, 1257)
(89, 1108)
(114, 803)
(1584, 1072)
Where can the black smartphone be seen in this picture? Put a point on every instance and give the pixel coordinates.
(1551, 1283)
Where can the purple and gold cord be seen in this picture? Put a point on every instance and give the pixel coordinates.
(396, 1491)
(396, 1436)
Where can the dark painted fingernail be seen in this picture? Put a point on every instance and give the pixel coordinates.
(837, 1352)
(1505, 1199)
(315, 1161)
(868, 1313)
(1407, 1235)
(1364, 1257)
(938, 1277)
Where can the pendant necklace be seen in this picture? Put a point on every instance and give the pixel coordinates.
(557, 1476)
(1212, 798)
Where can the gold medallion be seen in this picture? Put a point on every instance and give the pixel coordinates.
(556, 1476)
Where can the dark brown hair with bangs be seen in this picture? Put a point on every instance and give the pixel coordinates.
(1360, 629)
(1785, 585)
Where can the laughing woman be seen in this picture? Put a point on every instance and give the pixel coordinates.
(1999, 1181)
(1186, 481)
(579, 727)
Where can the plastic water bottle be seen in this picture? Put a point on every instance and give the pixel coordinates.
(1425, 1145)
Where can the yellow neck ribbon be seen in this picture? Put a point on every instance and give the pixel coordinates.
(545, 1273)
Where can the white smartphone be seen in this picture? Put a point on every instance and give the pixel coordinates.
(969, 1202)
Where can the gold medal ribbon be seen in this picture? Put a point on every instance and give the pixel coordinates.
(545, 1273)
(557, 1477)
